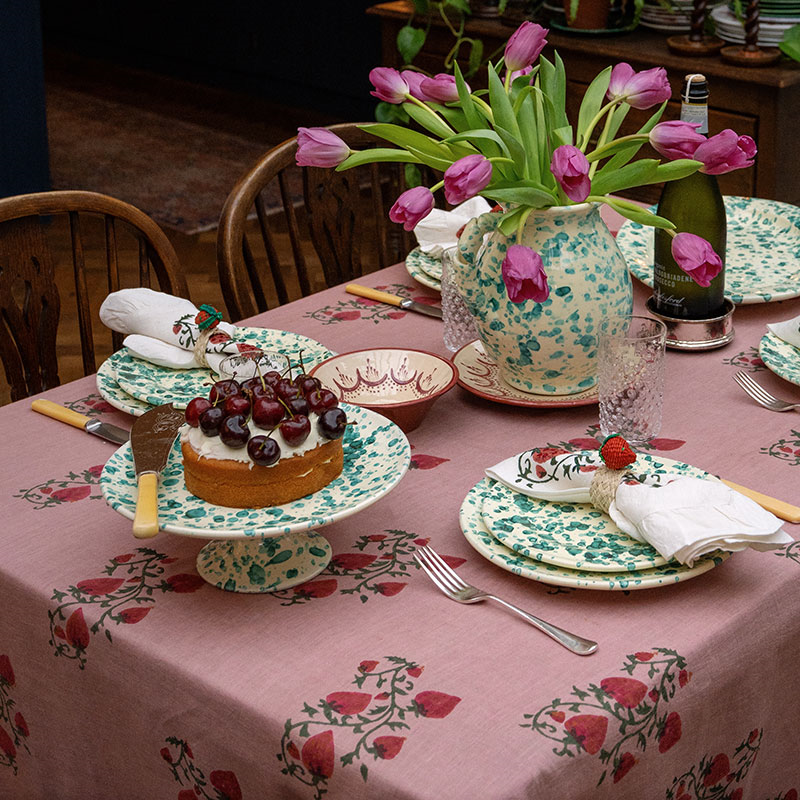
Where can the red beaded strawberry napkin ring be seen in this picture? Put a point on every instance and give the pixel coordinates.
(617, 455)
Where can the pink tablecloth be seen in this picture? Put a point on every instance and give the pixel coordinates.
(122, 674)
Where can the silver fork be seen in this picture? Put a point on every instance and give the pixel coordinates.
(761, 395)
(456, 589)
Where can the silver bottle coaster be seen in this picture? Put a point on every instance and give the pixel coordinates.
(697, 334)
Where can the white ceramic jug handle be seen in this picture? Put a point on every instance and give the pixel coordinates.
(472, 236)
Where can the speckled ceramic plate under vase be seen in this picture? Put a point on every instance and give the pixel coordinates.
(111, 392)
(423, 269)
(479, 537)
(478, 374)
(376, 456)
(573, 535)
(782, 358)
(155, 385)
(763, 254)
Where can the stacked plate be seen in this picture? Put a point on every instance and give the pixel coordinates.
(570, 544)
(674, 16)
(425, 269)
(774, 21)
(135, 386)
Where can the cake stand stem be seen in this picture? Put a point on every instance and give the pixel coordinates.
(261, 565)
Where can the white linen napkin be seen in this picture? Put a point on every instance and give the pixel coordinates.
(682, 517)
(788, 330)
(162, 329)
(439, 230)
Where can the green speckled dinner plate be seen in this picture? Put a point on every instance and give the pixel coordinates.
(781, 357)
(763, 253)
(155, 385)
(479, 537)
(376, 456)
(111, 392)
(573, 535)
(425, 269)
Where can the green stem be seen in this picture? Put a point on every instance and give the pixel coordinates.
(600, 152)
(597, 117)
(500, 160)
(600, 143)
(521, 224)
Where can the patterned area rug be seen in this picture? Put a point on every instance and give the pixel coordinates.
(178, 172)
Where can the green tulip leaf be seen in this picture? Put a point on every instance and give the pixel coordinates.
(482, 135)
(617, 118)
(635, 213)
(554, 86)
(454, 117)
(378, 154)
(440, 163)
(428, 120)
(474, 119)
(515, 149)
(523, 195)
(680, 168)
(501, 104)
(592, 101)
(409, 42)
(638, 173)
(405, 137)
(625, 154)
(510, 220)
(529, 138)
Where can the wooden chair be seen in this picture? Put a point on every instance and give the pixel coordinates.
(313, 227)
(38, 234)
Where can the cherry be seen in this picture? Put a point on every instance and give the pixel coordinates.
(211, 419)
(253, 387)
(234, 431)
(321, 399)
(285, 389)
(298, 405)
(236, 404)
(271, 378)
(195, 408)
(222, 389)
(263, 450)
(307, 383)
(295, 430)
(267, 413)
(332, 423)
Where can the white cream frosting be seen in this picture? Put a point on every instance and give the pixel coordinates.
(214, 447)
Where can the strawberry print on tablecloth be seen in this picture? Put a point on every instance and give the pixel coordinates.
(368, 725)
(360, 308)
(619, 717)
(91, 405)
(220, 784)
(14, 730)
(379, 567)
(791, 551)
(124, 596)
(71, 488)
(785, 449)
(748, 360)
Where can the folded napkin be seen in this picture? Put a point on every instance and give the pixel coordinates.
(683, 518)
(789, 330)
(170, 331)
(439, 230)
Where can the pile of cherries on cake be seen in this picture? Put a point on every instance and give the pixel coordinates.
(270, 401)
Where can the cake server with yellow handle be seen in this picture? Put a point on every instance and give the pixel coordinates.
(393, 300)
(152, 437)
(90, 424)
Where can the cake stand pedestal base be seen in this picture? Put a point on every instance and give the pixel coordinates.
(263, 565)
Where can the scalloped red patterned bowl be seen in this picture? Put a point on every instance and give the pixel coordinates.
(399, 383)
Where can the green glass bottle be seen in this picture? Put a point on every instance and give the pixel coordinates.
(695, 205)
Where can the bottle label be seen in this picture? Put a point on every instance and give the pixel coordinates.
(669, 289)
(695, 113)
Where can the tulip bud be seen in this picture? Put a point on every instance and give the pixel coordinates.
(412, 206)
(571, 169)
(638, 89)
(319, 147)
(695, 256)
(524, 275)
(466, 177)
(676, 139)
(414, 80)
(525, 45)
(725, 152)
(441, 88)
(389, 85)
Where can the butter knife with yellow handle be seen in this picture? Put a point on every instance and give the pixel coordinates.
(393, 300)
(778, 507)
(90, 424)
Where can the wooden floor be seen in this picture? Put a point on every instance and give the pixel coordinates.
(222, 110)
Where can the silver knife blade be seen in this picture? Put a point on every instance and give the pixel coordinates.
(422, 308)
(107, 431)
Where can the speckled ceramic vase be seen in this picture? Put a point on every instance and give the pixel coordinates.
(551, 347)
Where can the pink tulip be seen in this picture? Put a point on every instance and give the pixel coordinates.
(571, 169)
(319, 147)
(524, 275)
(518, 73)
(525, 45)
(466, 177)
(412, 206)
(389, 85)
(726, 152)
(676, 139)
(414, 80)
(695, 256)
(639, 89)
(441, 88)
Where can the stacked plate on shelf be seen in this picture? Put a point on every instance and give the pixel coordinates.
(672, 16)
(775, 18)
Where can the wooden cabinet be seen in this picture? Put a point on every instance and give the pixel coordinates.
(761, 102)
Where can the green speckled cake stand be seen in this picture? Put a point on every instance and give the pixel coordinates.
(274, 548)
